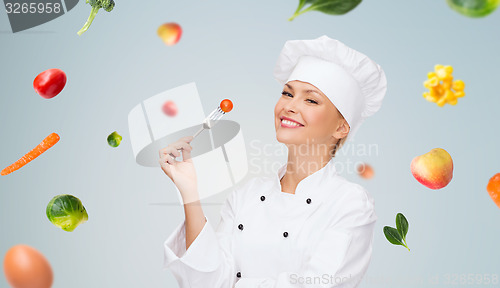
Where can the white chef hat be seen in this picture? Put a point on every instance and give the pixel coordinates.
(354, 84)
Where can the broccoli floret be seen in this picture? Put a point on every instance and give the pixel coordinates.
(107, 5)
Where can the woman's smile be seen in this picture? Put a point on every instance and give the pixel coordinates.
(290, 123)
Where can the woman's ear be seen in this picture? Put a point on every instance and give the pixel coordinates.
(342, 129)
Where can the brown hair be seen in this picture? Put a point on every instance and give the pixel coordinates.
(338, 145)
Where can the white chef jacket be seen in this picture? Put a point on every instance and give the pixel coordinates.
(321, 236)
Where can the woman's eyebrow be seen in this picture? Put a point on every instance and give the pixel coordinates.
(314, 91)
(306, 91)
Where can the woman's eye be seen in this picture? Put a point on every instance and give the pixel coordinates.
(284, 93)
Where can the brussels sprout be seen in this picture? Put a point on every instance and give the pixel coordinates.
(114, 139)
(474, 8)
(66, 212)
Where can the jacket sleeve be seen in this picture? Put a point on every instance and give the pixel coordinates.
(340, 257)
(209, 260)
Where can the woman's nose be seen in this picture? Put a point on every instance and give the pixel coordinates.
(291, 106)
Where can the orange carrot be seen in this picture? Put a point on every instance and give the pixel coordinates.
(48, 142)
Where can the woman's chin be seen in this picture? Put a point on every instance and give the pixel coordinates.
(287, 139)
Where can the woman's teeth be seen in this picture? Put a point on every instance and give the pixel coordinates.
(290, 123)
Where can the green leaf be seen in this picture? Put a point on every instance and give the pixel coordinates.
(297, 12)
(393, 236)
(301, 4)
(402, 225)
(333, 7)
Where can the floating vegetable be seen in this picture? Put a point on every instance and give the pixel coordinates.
(493, 189)
(48, 142)
(398, 236)
(170, 33)
(26, 267)
(440, 84)
(474, 8)
(107, 5)
(114, 139)
(49, 83)
(66, 212)
(332, 7)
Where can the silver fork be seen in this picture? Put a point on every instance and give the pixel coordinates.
(208, 123)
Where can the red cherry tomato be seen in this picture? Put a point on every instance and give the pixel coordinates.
(170, 108)
(49, 83)
(226, 105)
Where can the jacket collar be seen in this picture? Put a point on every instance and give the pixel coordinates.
(314, 181)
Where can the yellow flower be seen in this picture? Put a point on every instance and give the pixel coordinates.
(458, 85)
(431, 82)
(442, 89)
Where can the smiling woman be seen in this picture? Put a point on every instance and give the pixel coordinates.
(305, 221)
(318, 117)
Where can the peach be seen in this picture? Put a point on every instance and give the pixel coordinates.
(433, 169)
(170, 33)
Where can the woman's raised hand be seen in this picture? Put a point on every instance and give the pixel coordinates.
(182, 173)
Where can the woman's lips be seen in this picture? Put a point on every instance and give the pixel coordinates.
(289, 124)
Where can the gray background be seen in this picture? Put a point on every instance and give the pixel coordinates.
(229, 48)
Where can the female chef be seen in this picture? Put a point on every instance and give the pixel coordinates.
(305, 226)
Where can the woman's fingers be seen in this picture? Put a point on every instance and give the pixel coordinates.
(186, 154)
(175, 149)
(186, 150)
(170, 149)
(181, 144)
(186, 139)
(165, 167)
(167, 150)
(175, 152)
(185, 146)
(169, 159)
(166, 158)
(163, 164)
